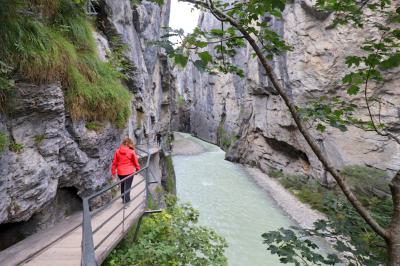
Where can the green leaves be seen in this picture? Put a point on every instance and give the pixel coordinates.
(217, 32)
(297, 249)
(172, 237)
(205, 57)
(353, 90)
(350, 11)
(180, 59)
(353, 60)
(391, 62)
(335, 112)
(320, 127)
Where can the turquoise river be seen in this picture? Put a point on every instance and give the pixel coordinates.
(230, 203)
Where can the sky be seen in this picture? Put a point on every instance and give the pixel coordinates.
(183, 16)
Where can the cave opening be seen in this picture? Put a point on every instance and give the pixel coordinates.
(65, 203)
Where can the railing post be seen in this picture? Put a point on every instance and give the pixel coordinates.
(88, 255)
(147, 174)
(137, 229)
(123, 212)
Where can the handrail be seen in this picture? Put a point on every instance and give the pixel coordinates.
(88, 248)
(88, 256)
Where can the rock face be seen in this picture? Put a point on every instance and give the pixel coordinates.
(150, 76)
(52, 151)
(246, 115)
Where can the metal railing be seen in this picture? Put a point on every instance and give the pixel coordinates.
(88, 247)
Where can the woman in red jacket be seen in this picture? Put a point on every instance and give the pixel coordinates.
(125, 163)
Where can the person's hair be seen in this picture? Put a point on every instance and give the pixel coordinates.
(128, 142)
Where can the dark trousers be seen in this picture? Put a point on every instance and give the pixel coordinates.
(125, 186)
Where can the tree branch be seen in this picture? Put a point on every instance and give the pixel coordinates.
(222, 44)
(303, 130)
(379, 132)
(217, 41)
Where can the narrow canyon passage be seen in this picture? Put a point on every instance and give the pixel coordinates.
(228, 200)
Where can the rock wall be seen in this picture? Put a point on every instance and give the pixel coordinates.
(246, 115)
(56, 152)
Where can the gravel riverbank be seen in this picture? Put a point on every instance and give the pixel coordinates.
(303, 214)
(185, 146)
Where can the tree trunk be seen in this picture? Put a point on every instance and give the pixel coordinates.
(394, 249)
(393, 240)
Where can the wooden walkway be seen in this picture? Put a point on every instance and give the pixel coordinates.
(66, 251)
(62, 244)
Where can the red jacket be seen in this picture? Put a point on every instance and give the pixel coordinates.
(125, 161)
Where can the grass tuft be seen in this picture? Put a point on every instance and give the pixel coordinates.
(16, 147)
(47, 41)
(93, 125)
(3, 142)
(39, 139)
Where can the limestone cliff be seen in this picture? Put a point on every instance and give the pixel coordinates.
(252, 123)
(55, 151)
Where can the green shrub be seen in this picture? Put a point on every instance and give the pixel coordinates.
(118, 57)
(3, 142)
(55, 43)
(365, 179)
(225, 138)
(294, 182)
(343, 220)
(275, 173)
(171, 237)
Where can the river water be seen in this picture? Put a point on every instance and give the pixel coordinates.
(230, 203)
